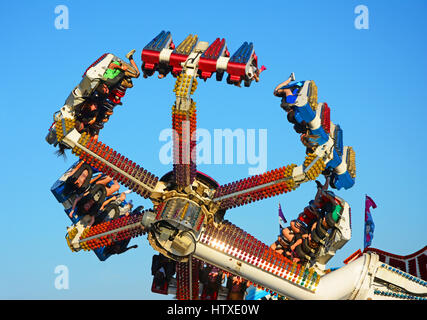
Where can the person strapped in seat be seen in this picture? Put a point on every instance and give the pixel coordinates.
(291, 238)
(121, 72)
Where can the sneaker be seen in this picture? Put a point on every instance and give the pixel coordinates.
(292, 76)
(130, 54)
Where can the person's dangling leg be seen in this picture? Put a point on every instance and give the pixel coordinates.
(112, 189)
(104, 181)
(288, 234)
(132, 71)
(278, 91)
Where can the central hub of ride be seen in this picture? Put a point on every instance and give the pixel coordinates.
(181, 215)
(177, 227)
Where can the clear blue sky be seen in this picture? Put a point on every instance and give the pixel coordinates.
(373, 80)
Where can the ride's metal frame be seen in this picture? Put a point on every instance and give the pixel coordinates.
(214, 238)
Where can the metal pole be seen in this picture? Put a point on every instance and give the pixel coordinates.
(190, 274)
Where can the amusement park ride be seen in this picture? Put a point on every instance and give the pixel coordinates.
(186, 224)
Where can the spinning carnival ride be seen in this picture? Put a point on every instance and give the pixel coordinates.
(186, 224)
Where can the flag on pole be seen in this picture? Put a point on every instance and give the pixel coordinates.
(282, 220)
(369, 222)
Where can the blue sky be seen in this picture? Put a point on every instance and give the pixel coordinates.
(373, 80)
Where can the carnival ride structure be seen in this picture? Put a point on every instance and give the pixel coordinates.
(186, 224)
